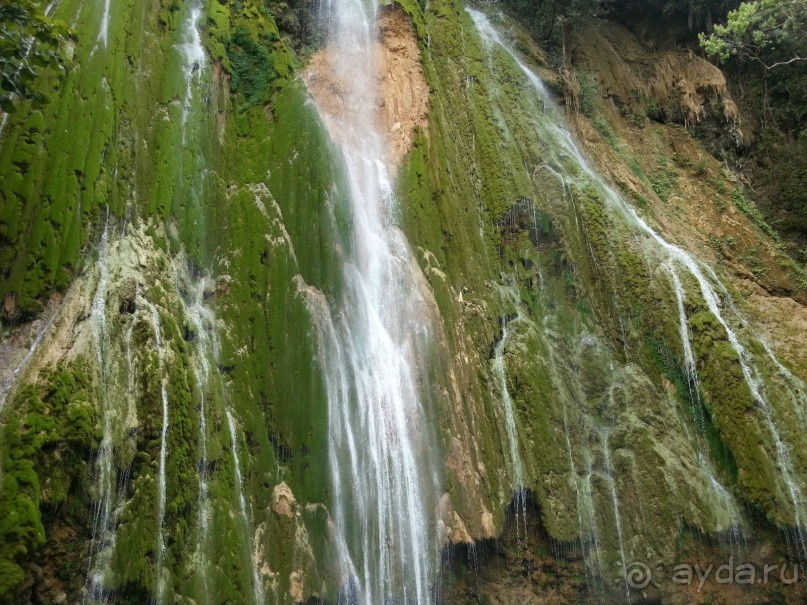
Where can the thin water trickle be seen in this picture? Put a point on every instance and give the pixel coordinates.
(104, 521)
(727, 510)
(154, 317)
(258, 593)
(518, 478)
(9, 383)
(195, 60)
(206, 349)
(204, 363)
(516, 463)
(608, 477)
(103, 30)
(590, 538)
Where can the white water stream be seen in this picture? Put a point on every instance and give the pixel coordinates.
(10, 381)
(154, 317)
(203, 323)
(204, 363)
(195, 60)
(103, 30)
(518, 474)
(516, 462)
(258, 593)
(373, 345)
(103, 524)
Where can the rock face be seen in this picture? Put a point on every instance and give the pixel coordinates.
(677, 85)
(166, 224)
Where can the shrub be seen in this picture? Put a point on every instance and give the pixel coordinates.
(252, 68)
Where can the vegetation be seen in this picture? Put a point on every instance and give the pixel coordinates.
(551, 20)
(587, 295)
(29, 42)
(772, 33)
(252, 68)
(762, 46)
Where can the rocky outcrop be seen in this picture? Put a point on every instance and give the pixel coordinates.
(673, 85)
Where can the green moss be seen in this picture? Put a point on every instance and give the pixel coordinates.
(664, 179)
(50, 428)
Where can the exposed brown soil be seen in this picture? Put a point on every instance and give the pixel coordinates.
(402, 90)
(683, 86)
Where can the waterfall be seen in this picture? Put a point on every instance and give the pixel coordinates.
(193, 53)
(677, 261)
(103, 30)
(516, 462)
(608, 476)
(116, 390)
(206, 348)
(728, 507)
(374, 341)
(584, 490)
(103, 527)
(154, 316)
(204, 361)
(10, 381)
(257, 584)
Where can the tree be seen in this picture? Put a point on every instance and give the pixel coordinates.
(549, 20)
(29, 42)
(771, 33)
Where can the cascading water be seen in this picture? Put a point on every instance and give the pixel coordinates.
(154, 316)
(206, 348)
(103, 527)
(373, 345)
(117, 394)
(257, 584)
(584, 490)
(516, 463)
(8, 383)
(204, 361)
(608, 477)
(103, 30)
(677, 260)
(193, 53)
(727, 507)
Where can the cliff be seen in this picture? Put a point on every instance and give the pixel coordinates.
(605, 334)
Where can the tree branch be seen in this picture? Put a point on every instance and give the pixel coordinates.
(781, 63)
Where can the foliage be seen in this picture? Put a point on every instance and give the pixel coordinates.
(763, 44)
(772, 33)
(588, 94)
(252, 67)
(29, 42)
(550, 20)
(697, 14)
